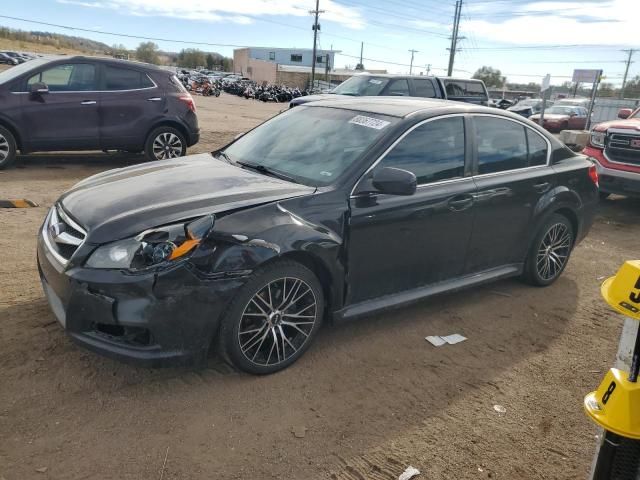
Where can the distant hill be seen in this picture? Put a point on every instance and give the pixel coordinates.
(45, 42)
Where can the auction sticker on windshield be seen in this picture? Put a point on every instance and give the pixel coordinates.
(369, 122)
(375, 82)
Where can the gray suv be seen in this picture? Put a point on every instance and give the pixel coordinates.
(374, 85)
(87, 103)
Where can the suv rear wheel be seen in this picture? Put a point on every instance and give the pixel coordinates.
(549, 253)
(164, 143)
(7, 148)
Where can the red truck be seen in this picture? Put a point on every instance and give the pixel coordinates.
(615, 145)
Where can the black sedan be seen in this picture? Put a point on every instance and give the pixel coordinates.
(326, 212)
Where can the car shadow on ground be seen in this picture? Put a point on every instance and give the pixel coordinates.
(60, 160)
(360, 383)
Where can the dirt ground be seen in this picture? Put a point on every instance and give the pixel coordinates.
(368, 399)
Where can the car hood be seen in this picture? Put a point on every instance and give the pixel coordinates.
(626, 124)
(124, 202)
(314, 98)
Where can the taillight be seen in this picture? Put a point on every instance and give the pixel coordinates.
(188, 99)
(593, 175)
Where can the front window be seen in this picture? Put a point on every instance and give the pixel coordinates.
(434, 151)
(15, 72)
(312, 145)
(68, 77)
(361, 85)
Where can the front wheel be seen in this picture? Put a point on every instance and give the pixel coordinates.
(549, 253)
(7, 148)
(164, 143)
(273, 318)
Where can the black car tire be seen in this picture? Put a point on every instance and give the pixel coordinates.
(535, 272)
(7, 148)
(161, 136)
(238, 317)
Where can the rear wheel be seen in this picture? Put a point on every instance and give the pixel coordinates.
(7, 148)
(273, 318)
(164, 143)
(549, 253)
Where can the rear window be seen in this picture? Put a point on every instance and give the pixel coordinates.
(463, 88)
(125, 79)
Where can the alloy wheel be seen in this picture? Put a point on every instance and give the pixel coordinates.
(167, 145)
(277, 321)
(554, 251)
(4, 148)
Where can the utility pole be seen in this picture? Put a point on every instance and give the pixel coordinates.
(411, 65)
(316, 27)
(454, 37)
(626, 70)
(428, 68)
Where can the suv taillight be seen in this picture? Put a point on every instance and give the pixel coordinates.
(188, 99)
(593, 175)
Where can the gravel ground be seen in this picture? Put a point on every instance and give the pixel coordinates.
(369, 398)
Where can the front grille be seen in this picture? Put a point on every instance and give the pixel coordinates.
(62, 235)
(623, 148)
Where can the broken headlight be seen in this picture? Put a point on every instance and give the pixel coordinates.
(153, 247)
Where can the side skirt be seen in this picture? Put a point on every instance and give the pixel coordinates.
(408, 297)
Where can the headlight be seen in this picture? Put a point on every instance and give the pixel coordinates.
(597, 138)
(152, 247)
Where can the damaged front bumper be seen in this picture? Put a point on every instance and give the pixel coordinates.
(153, 319)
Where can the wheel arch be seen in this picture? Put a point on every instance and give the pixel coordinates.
(169, 123)
(14, 131)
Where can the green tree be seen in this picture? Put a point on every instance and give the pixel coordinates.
(148, 52)
(210, 61)
(191, 58)
(227, 64)
(491, 77)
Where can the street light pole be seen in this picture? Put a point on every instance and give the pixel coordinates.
(316, 27)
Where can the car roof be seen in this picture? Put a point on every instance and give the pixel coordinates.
(106, 60)
(399, 106)
(394, 75)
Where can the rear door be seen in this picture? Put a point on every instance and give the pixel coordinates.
(67, 116)
(424, 87)
(131, 103)
(512, 173)
(398, 243)
(579, 120)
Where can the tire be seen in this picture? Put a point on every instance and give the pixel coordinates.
(155, 148)
(546, 262)
(250, 324)
(604, 195)
(7, 148)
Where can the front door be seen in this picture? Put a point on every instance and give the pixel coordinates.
(397, 243)
(512, 176)
(67, 116)
(131, 104)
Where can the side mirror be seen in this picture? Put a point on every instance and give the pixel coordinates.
(394, 181)
(39, 88)
(624, 113)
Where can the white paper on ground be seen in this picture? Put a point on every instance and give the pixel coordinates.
(435, 340)
(453, 339)
(409, 473)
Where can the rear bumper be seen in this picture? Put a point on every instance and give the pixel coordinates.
(151, 320)
(620, 181)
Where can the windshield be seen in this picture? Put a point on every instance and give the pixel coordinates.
(15, 72)
(311, 145)
(561, 110)
(361, 85)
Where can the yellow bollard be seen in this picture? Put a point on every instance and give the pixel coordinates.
(615, 405)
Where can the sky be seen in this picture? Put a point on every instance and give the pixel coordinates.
(525, 39)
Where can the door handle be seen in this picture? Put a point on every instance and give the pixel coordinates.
(154, 99)
(88, 102)
(460, 203)
(542, 187)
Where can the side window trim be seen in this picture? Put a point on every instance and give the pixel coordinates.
(475, 173)
(407, 132)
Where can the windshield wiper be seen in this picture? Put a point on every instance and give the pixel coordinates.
(266, 171)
